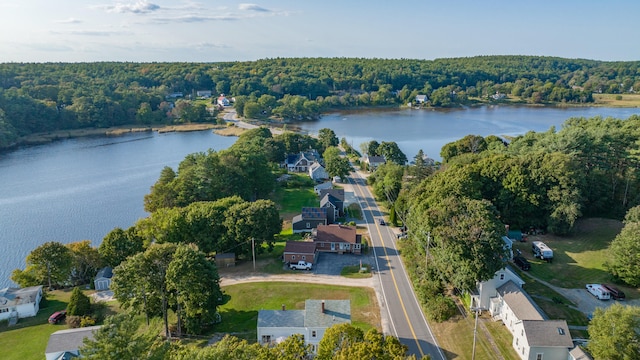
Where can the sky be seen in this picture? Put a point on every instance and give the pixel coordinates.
(213, 31)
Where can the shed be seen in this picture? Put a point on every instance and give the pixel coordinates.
(103, 279)
(225, 260)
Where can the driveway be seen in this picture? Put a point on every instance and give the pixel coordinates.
(332, 264)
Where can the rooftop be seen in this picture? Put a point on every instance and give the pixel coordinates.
(519, 302)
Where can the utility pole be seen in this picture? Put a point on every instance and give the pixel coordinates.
(253, 251)
(475, 332)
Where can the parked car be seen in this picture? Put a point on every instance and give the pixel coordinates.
(599, 291)
(57, 316)
(522, 263)
(300, 265)
(402, 235)
(616, 293)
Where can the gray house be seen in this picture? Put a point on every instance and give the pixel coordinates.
(309, 219)
(65, 344)
(318, 315)
(103, 279)
(333, 201)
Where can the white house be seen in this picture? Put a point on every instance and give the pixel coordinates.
(318, 315)
(534, 336)
(324, 186)
(20, 303)
(317, 172)
(373, 161)
(204, 94)
(222, 100)
(103, 279)
(421, 99)
(65, 344)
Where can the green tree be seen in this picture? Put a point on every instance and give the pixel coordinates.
(614, 333)
(327, 138)
(391, 152)
(49, 263)
(259, 220)
(338, 338)
(162, 192)
(119, 244)
(79, 303)
(120, 338)
(625, 254)
(466, 244)
(335, 164)
(140, 282)
(194, 281)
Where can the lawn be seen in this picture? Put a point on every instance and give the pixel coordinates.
(29, 338)
(240, 313)
(613, 100)
(291, 199)
(553, 304)
(578, 259)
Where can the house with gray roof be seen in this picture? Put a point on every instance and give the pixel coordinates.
(65, 344)
(102, 280)
(309, 219)
(275, 326)
(535, 337)
(373, 161)
(333, 201)
(317, 172)
(17, 303)
(324, 186)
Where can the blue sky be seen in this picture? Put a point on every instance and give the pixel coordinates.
(210, 31)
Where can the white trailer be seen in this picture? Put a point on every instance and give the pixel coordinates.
(599, 291)
(541, 251)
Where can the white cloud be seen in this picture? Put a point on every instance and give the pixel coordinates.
(69, 21)
(195, 19)
(89, 33)
(252, 7)
(139, 7)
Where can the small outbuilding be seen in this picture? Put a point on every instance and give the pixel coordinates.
(295, 251)
(225, 260)
(103, 279)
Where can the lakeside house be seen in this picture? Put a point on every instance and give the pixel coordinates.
(66, 344)
(274, 326)
(18, 303)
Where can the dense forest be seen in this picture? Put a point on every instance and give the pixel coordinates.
(46, 97)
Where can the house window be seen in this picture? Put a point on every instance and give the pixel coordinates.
(308, 225)
(266, 339)
(304, 257)
(523, 350)
(4, 310)
(313, 333)
(501, 276)
(293, 257)
(346, 246)
(522, 332)
(356, 246)
(538, 356)
(517, 341)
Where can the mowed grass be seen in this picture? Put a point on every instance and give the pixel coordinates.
(28, 339)
(240, 313)
(578, 259)
(614, 100)
(291, 200)
(455, 337)
(553, 304)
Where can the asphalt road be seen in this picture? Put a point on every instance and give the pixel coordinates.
(407, 321)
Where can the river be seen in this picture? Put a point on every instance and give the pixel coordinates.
(80, 189)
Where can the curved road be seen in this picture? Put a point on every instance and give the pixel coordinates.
(407, 320)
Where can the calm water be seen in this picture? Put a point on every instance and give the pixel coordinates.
(429, 130)
(82, 188)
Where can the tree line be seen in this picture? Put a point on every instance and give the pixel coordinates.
(59, 96)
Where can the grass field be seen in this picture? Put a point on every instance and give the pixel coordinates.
(291, 199)
(577, 259)
(613, 100)
(28, 339)
(240, 314)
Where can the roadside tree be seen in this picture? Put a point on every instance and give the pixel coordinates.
(614, 333)
(625, 254)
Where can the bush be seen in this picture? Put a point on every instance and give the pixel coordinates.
(79, 304)
(74, 321)
(87, 321)
(440, 308)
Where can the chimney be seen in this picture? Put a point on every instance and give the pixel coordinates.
(283, 307)
(323, 306)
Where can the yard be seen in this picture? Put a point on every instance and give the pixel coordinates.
(240, 314)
